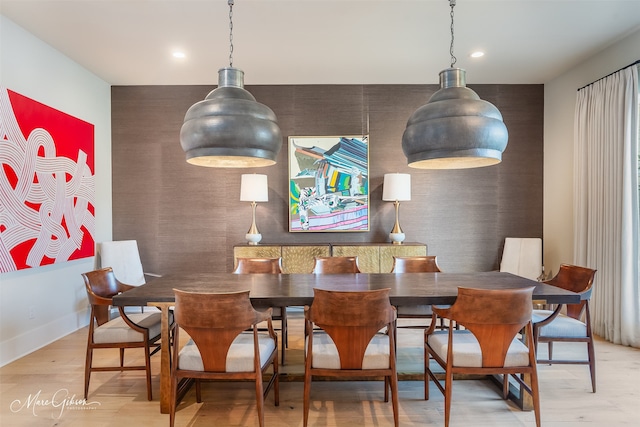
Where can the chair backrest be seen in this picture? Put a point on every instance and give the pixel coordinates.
(101, 285)
(576, 279)
(522, 257)
(124, 258)
(213, 321)
(352, 318)
(258, 265)
(336, 265)
(493, 316)
(415, 264)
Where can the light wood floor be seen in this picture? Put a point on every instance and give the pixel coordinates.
(45, 389)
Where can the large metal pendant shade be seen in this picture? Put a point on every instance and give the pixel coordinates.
(229, 128)
(455, 129)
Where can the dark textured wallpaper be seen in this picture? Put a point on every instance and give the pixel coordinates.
(188, 217)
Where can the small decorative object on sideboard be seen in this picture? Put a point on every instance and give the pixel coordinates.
(396, 189)
(254, 188)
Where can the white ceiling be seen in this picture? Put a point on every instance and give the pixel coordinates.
(129, 42)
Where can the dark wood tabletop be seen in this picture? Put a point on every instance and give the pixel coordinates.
(297, 289)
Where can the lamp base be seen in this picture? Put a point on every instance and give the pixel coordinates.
(253, 239)
(396, 238)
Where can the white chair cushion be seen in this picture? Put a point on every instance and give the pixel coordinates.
(467, 353)
(116, 330)
(415, 310)
(325, 352)
(239, 357)
(561, 326)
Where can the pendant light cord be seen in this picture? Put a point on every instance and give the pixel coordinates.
(452, 3)
(230, 2)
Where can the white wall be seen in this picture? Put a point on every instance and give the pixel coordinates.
(559, 106)
(55, 293)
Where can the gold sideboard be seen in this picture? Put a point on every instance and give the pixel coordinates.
(299, 258)
(377, 257)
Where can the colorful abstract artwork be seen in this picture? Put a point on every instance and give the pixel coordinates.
(328, 183)
(47, 185)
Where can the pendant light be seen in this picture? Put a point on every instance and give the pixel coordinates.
(455, 129)
(229, 128)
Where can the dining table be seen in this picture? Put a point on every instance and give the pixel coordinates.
(285, 290)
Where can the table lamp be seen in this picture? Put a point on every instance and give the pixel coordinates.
(396, 188)
(253, 188)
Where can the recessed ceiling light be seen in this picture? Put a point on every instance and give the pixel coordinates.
(178, 54)
(477, 54)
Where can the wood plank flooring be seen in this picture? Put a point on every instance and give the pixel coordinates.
(45, 389)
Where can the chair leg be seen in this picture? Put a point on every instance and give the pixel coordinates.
(147, 363)
(550, 346)
(306, 397)
(260, 398)
(592, 363)
(386, 388)
(87, 370)
(394, 398)
(505, 386)
(122, 357)
(447, 397)
(285, 332)
(174, 403)
(426, 374)
(198, 391)
(276, 382)
(535, 395)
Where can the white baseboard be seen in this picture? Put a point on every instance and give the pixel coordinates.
(17, 347)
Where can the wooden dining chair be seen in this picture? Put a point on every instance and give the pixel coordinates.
(574, 325)
(348, 344)
(267, 266)
(128, 330)
(415, 264)
(220, 348)
(488, 344)
(336, 265)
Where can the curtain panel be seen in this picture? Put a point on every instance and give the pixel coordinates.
(606, 211)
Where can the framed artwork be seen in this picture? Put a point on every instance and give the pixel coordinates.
(47, 185)
(328, 183)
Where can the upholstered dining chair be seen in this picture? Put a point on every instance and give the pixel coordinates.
(572, 326)
(488, 344)
(415, 264)
(349, 344)
(522, 256)
(336, 265)
(267, 266)
(220, 348)
(128, 330)
(123, 257)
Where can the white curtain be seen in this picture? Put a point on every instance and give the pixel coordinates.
(606, 212)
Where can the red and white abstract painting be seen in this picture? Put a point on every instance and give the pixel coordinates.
(47, 184)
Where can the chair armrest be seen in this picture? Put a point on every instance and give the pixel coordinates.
(263, 316)
(98, 300)
(432, 326)
(308, 325)
(130, 322)
(550, 318)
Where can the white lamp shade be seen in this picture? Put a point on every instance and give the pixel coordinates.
(254, 188)
(396, 186)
